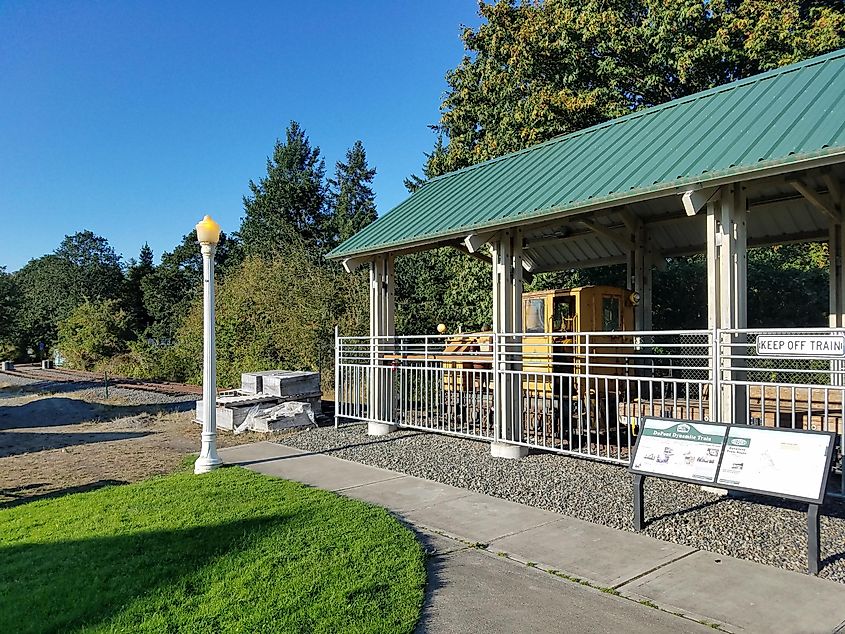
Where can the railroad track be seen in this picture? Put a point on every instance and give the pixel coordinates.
(35, 372)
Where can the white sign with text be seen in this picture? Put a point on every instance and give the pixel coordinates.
(808, 346)
(677, 449)
(777, 461)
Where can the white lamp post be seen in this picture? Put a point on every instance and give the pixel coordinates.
(208, 235)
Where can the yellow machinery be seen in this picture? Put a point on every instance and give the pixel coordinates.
(553, 322)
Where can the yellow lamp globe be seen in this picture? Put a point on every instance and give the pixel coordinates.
(208, 231)
(441, 328)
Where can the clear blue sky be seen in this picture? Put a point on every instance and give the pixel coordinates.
(135, 118)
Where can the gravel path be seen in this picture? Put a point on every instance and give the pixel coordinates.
(755, 528)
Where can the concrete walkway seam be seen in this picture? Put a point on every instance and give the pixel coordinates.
(658, 567)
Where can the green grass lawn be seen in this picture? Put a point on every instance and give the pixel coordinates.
(230, 551)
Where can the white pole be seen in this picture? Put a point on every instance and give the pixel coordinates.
(208, 460)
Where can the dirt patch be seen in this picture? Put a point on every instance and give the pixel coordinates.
(60, 438)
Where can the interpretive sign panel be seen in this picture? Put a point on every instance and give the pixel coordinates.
(785, 462)
(790, 463)
(682, 450)
(805, 346)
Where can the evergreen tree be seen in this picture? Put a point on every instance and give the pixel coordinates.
(136, 273)
(350, 194)
(289, 203)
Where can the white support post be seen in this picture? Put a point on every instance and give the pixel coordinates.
(836, 249)
(642, 279)
(507, 319)
(727, 262)
(382, 327)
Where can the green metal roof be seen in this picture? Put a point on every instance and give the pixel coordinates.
(785, 117)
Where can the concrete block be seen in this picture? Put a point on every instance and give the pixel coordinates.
(233, 411)
(7, 366)
(380, 429)
(506, 450)
(479, 518)
(742, 594)
(286, 383)
(253, 382)
(590, 551)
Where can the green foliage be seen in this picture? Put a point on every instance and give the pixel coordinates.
(442, 286)
(136, 273)
(94, 269)
(42, 301)
(788, 286)
(535, 70)
(94, 331)
(83, 268)
(9, 306)
(276, 313)
(290, 201)
(351, 196)
(229, 551)
(170, 289)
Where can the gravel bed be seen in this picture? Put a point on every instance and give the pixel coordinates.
(756, 528)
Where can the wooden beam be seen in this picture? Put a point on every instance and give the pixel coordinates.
(696, 199)
(527, 266)
(350, 264)
(474, 241)
(601, 230)
(815, 199)
(632, 221)
(834, 189)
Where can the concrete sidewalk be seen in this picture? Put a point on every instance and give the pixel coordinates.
(498, 566)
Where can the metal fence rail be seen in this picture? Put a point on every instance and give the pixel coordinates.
(583, 393)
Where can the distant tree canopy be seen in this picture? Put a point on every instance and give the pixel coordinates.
(84, 267)
(535, 70)
(170, 289)
(9, 299)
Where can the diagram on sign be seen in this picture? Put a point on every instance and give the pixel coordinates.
(688, 451)
(778, 463)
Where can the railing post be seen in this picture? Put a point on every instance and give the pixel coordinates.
(336, 374)
(498, 386)
(716, 367)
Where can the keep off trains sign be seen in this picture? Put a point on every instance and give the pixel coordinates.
(807, 346)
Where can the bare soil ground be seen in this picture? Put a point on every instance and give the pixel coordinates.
(65, 436)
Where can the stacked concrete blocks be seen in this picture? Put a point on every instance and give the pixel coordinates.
(269, 401)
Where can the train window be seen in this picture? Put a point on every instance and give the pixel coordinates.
(563, 314)
(610, 313)
(534, 314)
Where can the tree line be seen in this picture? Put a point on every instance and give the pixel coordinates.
(532, 71)
(278, 298)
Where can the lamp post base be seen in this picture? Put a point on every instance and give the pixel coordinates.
(205, 465)
(208, 459)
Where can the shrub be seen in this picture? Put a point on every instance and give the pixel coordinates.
(93, 331)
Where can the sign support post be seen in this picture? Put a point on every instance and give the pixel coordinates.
(639, 502)
(813, 545)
